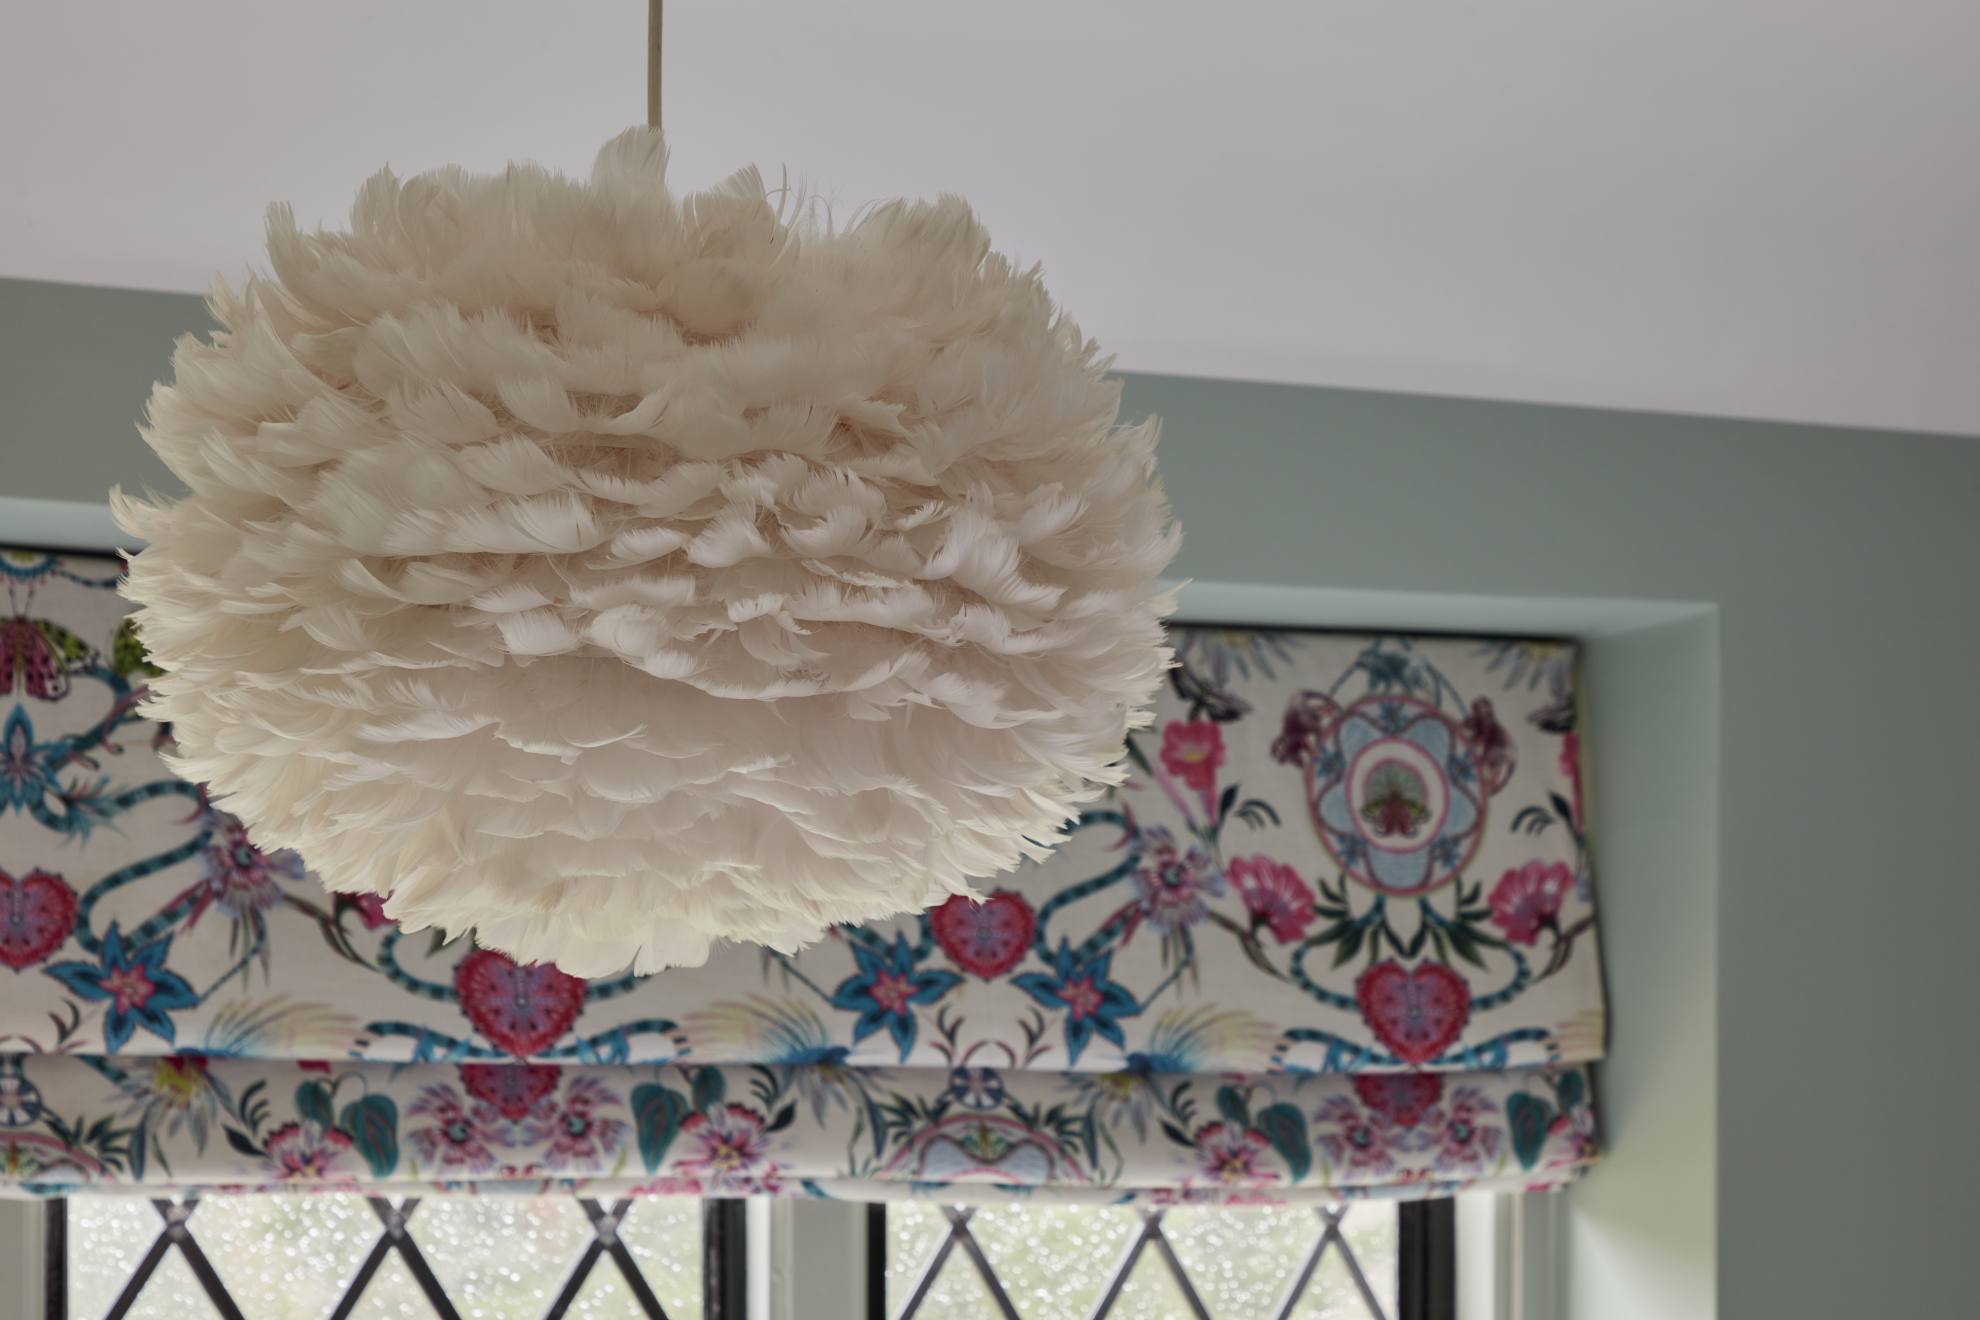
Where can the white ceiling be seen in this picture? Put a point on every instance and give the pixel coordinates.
(1739, 207)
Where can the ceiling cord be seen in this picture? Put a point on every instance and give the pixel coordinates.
(653, 63)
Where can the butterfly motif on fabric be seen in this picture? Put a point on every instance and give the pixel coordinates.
(39, 656)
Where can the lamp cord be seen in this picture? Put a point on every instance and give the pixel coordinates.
(653, 63)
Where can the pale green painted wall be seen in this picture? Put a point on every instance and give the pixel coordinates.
(1837, 569)
(1842, 565)
(1641, 1232)
(75, 366)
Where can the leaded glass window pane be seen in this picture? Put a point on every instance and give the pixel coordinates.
(353, 1257)
(1046, 1262)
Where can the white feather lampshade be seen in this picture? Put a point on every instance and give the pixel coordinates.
(613, 573)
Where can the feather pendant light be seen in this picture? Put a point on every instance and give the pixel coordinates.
(612, 572)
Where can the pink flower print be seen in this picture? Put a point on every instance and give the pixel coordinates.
(1528, 900)
(305, 1151)
(1274, 896)
(1361, 1142)
(580, 1132)
(453, 1137)
(1469, 1143)
(1230, 1156)
(1193, 751)
(732, 1149)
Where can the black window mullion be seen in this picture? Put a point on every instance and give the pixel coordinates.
(725, 1266)
(1426, 1260)
(55, 1259)
(876, 1260)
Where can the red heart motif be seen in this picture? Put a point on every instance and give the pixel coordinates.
(1418, 1014)
(514, 1089)
(985, 938)
(1403, 1097)
(520, 1009)
(37, 912)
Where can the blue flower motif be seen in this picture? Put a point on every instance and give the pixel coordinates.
(885, 989)
(977, 1089)
(140, 991)
(1092, 1001)
(1391, 718)
(25, 780)
(1385, 669)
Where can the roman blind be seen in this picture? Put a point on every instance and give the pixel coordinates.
(1335, 938)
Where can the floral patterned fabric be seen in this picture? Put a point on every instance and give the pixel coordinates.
(77, 1122)
(1345, 866)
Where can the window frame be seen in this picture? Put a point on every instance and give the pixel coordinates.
(807, 1258)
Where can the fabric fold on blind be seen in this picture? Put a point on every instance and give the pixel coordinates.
(1335, 937)
(732, 1130)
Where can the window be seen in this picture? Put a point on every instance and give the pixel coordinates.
(1369, 1261)
(353, 1257)
(519, 1257)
